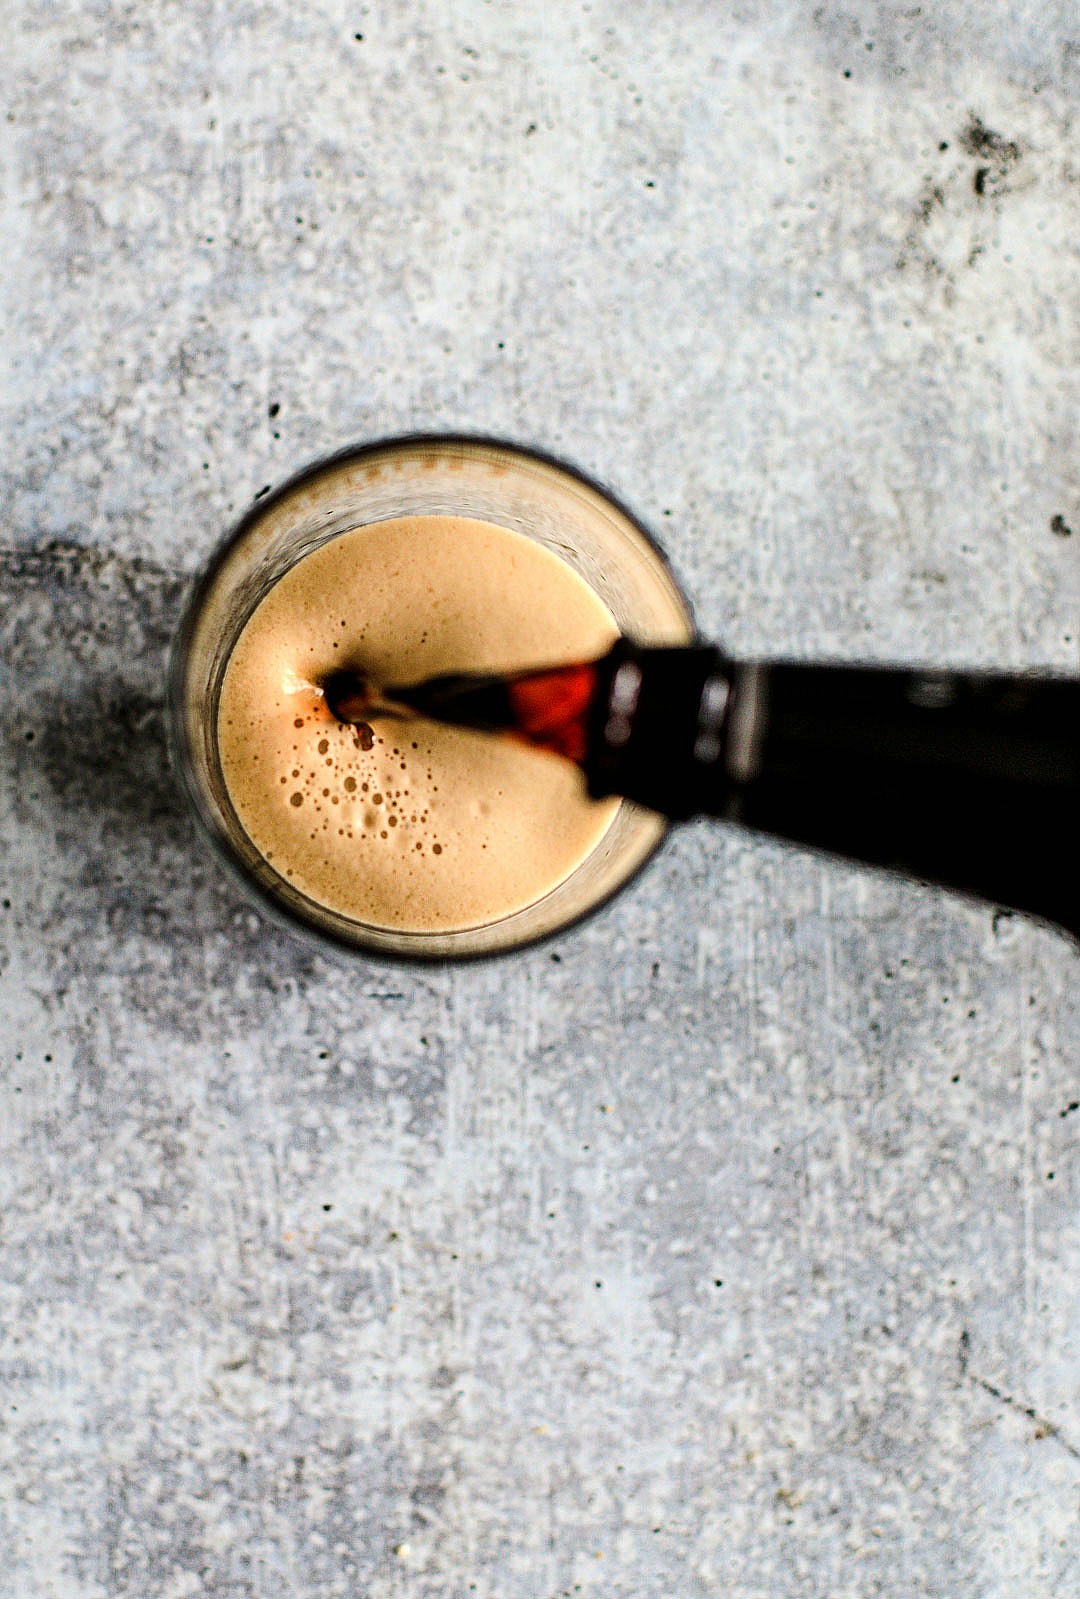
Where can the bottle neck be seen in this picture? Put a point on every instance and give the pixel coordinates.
(968, 780)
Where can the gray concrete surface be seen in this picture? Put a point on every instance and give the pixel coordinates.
(731, 1246)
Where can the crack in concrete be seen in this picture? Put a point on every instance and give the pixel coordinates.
(69, 558)
(1044, 1427)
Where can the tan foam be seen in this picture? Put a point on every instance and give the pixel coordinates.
(433, 828)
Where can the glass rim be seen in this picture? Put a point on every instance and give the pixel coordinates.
(327, 939)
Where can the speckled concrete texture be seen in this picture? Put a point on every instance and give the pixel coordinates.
(731, 1245)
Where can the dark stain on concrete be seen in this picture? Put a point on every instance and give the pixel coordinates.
(995, 156)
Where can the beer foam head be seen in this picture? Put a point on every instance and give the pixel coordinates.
(414, 826)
